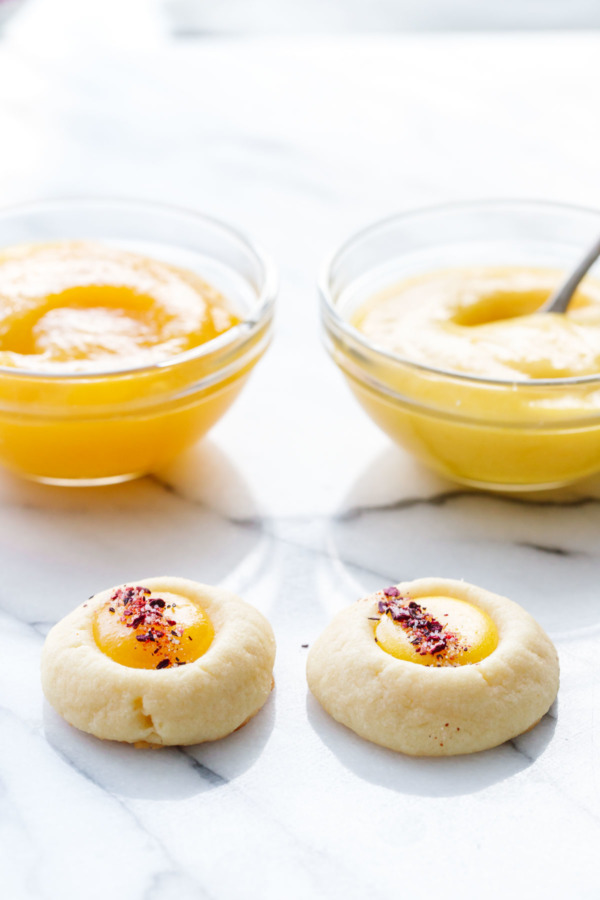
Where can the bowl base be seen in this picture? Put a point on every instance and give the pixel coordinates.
(84, 482)
(512, 488)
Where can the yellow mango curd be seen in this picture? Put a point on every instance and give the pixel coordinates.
(100, 374)
(141, 629)
(74, 306)
(485, 322)
(435, 631)
(471, 377)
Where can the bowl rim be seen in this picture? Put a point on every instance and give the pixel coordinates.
(257, 317)
(329, 309)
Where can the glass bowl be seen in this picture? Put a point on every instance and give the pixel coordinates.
(484, 432)
(110, 426)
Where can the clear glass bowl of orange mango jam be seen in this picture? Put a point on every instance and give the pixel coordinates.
(126, 331)
(432, 317)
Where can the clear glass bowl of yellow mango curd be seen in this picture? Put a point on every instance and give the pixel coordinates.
(433, 318)
(126, 331)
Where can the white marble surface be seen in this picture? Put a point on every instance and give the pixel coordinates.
(296, 500)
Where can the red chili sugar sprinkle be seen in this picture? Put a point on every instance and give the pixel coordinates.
(141, 613)
(426, 634)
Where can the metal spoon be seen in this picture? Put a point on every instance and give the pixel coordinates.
(560, 299)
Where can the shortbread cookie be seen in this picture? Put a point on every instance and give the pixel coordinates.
(160, 661)
(434, 667)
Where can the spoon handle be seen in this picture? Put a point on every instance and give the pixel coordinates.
(561, 297)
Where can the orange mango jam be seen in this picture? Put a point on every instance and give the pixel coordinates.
(144, 630)
(93, 385)
(434, 631)
(77, 306)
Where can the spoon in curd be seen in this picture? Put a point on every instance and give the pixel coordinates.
(560, 299)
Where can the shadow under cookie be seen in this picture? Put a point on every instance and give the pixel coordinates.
(448, 776)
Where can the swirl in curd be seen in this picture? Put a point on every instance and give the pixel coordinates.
(78, 306)
(485, 322)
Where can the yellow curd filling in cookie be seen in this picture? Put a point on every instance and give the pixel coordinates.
(144, 630)
(434, 631)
